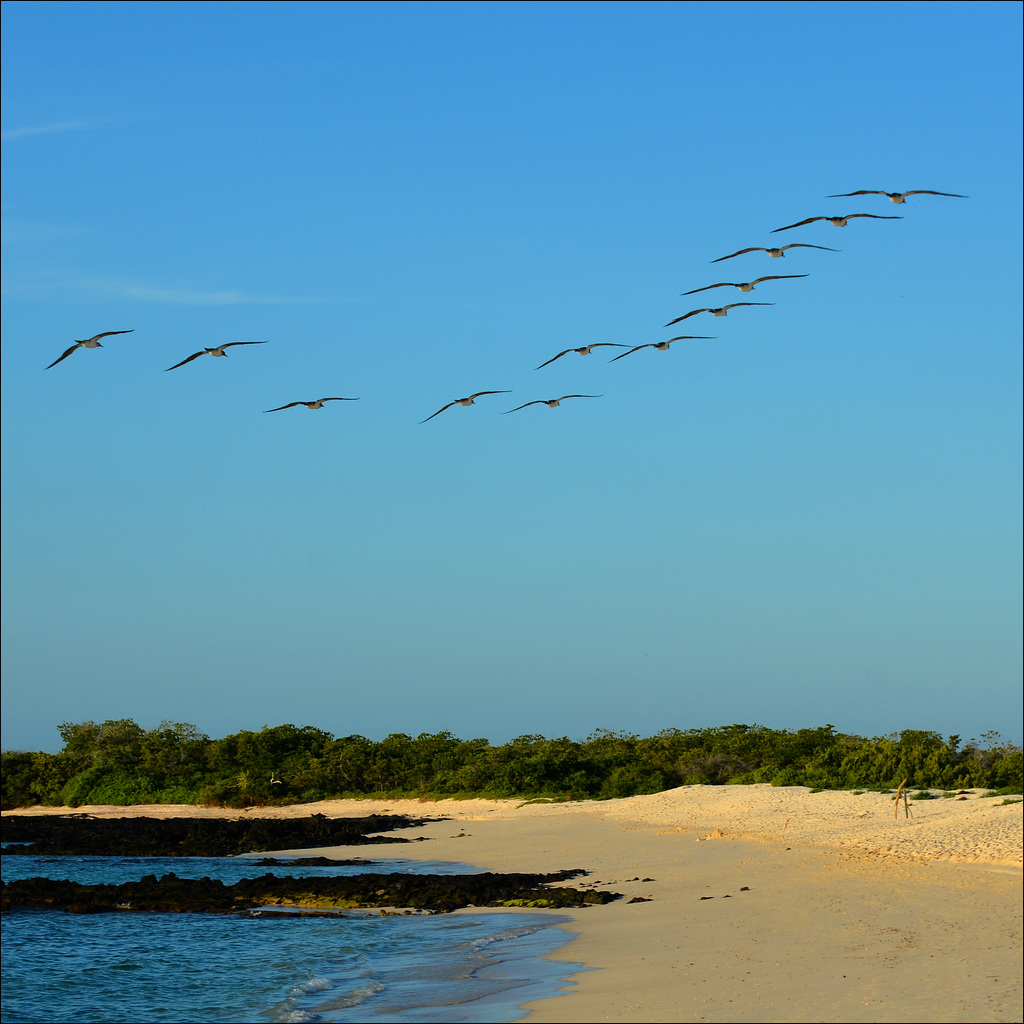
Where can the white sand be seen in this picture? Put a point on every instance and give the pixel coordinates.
(848, 914)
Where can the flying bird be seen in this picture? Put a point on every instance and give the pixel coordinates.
(746, 286)
(465, 401)
(218, 351)
(585, 351)
(93, 342)
(318, 404)
(551, 403)
(662, 346)
(721, 311)
(836, 222)
(897, 197)
(775, 253)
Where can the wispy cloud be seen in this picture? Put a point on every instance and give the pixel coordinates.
(50, 285)
(48, 129)
(33, 231)
(184, 296)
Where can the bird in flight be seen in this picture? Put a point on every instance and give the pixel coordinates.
(93, 342)
(836, 222)
(551, 403)
(585, 351)
(662, 346)
(318, 404)
(721, 311)
(464, 401)
(897, 197)
(746, 286)
(775, 253)
(218, 351)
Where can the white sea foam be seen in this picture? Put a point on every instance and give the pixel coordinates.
(354, 998)
(313, 985)
(507, 934)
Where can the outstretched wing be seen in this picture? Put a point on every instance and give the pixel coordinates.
(631, 351)
(195, 355)
(65, 355)
(693, 312)
(753, 248)
(439, 411)
(288, 406)
(800, 223)
(551, 360)
(882, 192)
(721, 284)
(107, 334)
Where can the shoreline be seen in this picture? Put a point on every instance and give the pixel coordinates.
(760, 904)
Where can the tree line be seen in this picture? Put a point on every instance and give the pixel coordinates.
(119, 762)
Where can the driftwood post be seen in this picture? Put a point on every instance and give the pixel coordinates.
(906, 806)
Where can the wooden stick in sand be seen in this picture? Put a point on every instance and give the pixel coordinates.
(906, 806)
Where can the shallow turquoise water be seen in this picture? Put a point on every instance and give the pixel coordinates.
(166, 968)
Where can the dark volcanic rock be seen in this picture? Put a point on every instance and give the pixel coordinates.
(311, 862)
(83, 835)
(433, 893)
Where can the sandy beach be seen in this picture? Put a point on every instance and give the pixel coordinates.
(753, 903)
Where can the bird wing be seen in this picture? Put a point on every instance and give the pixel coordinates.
(77, 344)
(338, 399)
(107, 334)
(862, 192)
(929, 192)
(604, 344)
(280, 407)
(807, 245)
(753, 248)
(721, 284)
(693, 312)
(551, 360)
(564, 397)
(874, 216)
(479, 393)
(732, 304)
(230, 343)
(800, 223)
(540, 401)
(631, 351)
(439, 411)
(777, 277)
(689, 337)
(195, 355)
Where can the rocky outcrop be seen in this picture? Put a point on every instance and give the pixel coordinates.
(429, 893)
(83, 835)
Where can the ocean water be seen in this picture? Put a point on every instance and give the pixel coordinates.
(267, 967)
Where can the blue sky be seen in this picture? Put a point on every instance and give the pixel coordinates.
(813, 517)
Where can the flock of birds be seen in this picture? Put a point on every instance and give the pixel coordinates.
(661, 346)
